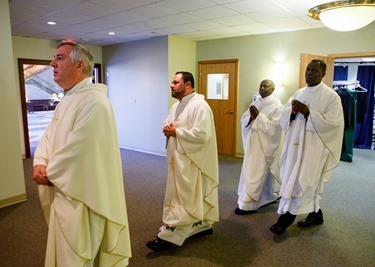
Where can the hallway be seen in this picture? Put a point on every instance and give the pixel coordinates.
(37, 124)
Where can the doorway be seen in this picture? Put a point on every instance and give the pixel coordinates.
(37, 88)
(39, 97)
(218, 82)
(356, 75)
(330, 61)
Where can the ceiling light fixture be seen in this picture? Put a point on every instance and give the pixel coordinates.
(348, 15)
(111, 33)
(51, 23)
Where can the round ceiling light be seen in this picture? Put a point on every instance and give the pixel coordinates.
(346, 15)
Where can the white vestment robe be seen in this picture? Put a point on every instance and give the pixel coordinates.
(311, 148)
(259, 180)
(85, 208)
(191, 199)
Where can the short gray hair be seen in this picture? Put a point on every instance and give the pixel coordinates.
(81, 53)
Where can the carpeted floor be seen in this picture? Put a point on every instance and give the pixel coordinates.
(346, 238)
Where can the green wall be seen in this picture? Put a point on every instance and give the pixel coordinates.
(12, 183)
(181, 57)
(257, 53)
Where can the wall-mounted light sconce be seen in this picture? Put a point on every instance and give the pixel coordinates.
(278, 73)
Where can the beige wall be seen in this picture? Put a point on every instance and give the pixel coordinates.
(12, 183)
(257, 53)
(32, 48)
(181, 57)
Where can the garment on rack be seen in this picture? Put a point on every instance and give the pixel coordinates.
(349, 104)
(362, 103)
(340, 73)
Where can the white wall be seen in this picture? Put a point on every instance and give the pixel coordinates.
(137, 76)
(257, 53)
(12, 183)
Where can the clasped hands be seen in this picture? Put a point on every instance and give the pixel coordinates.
(298, 106)
(169, 130)
(40, 175)
(253, 112)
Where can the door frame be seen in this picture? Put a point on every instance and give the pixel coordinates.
(330, 65)
(235, 97)
(356, 54)
(21, 77)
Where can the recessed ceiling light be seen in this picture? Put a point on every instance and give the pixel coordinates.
(111, 33)
(51, 23)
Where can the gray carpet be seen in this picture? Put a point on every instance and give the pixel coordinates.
(346, 238)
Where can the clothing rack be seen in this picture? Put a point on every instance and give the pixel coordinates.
(346, 84)
(355, 83)
(360, 63)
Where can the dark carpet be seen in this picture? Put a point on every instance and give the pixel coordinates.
(346, 238)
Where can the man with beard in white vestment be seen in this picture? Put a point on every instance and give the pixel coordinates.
(191, 198)
(77, 166)
(313, 123)
(261, 136)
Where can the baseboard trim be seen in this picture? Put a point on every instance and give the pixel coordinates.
(157, 153)
(240, 155)
(12, 200)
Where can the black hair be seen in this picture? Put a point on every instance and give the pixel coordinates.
(187, 77)
(321, 63)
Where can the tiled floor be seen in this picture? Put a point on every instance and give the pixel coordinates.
(37, 124)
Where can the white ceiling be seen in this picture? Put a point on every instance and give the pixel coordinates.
(89, 21)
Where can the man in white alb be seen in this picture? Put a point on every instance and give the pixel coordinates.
(77, 166)
(261, 136)
(313, 123)
(191, 198)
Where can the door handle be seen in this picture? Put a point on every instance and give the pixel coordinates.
(230, 112)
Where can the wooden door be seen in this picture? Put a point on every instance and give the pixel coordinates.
(224, 108)
(306, 59)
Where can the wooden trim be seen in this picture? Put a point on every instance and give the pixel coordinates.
(21, 62)
(12, 200)
(236, 93)
(356, 54)
(99, 67)
(218, 61)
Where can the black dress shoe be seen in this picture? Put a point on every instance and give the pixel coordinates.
(238, 211)
(159, 245)
(205, 232)
(277, 229)
(314, 218)
(283, 222)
